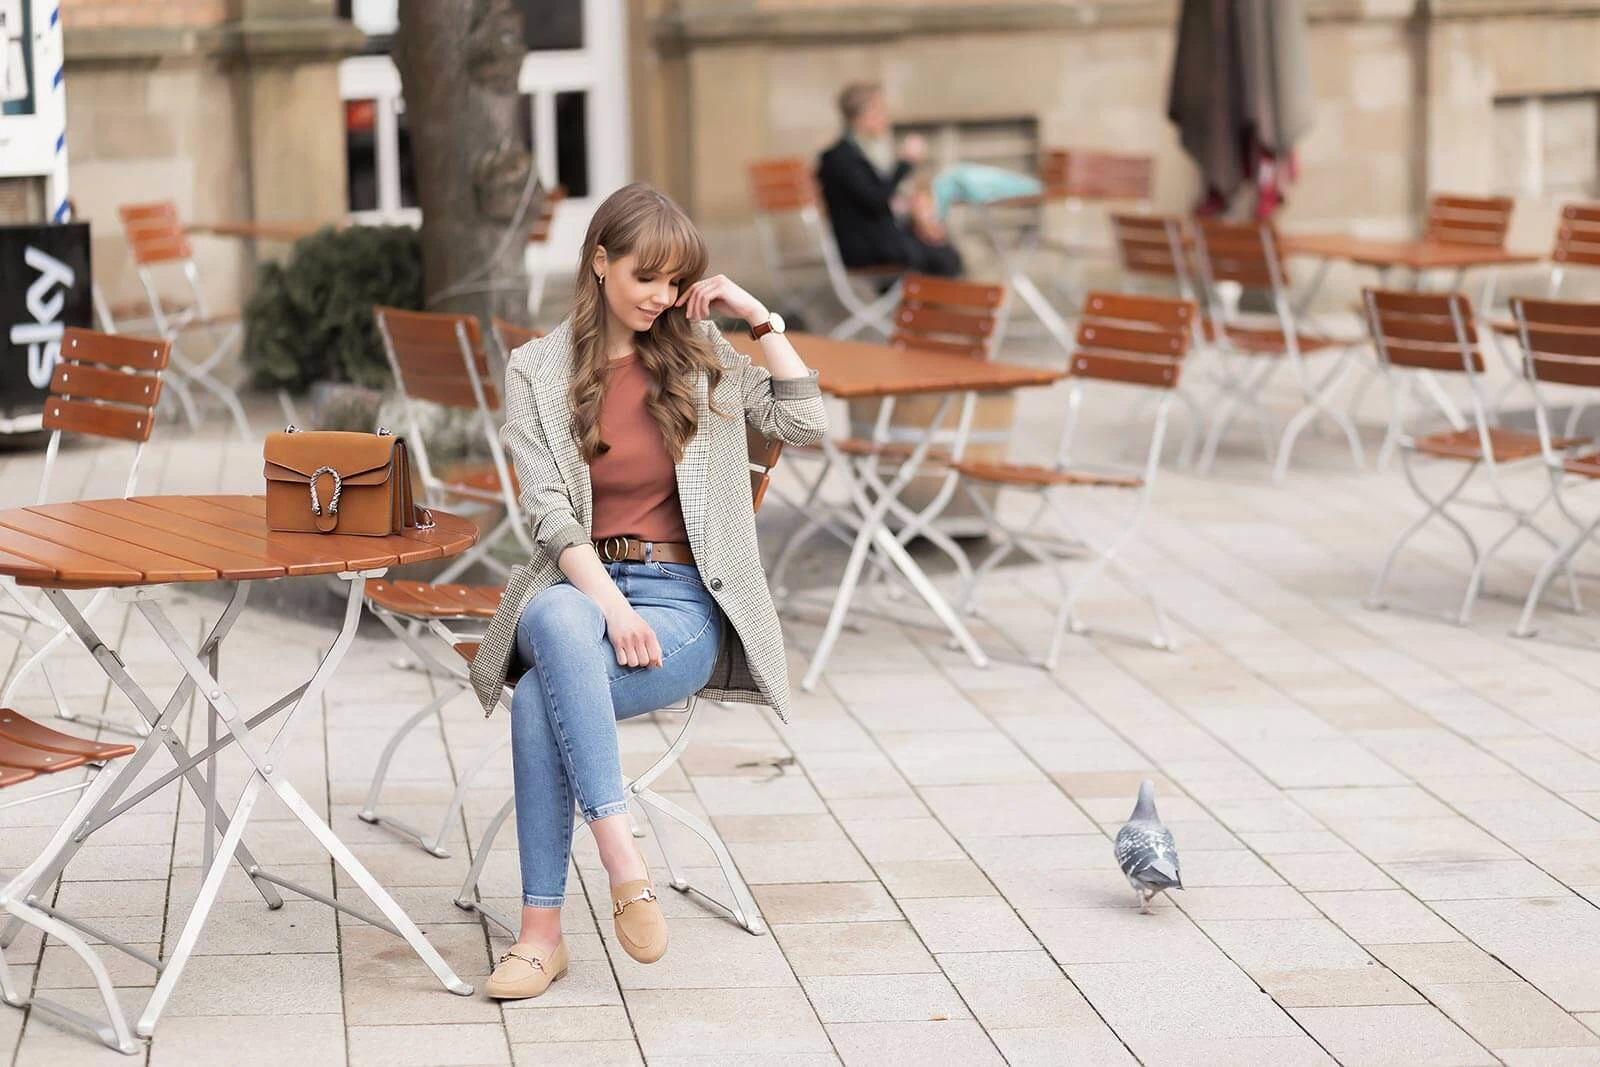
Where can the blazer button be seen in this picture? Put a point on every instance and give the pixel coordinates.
(716, 585)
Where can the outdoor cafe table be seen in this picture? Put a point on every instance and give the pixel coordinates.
(852, 370)
(142, 547)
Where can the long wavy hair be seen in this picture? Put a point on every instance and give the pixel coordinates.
(640, 221)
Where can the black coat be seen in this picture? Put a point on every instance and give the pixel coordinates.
(858, 205)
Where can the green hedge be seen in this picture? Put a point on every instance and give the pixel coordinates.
(310, 318)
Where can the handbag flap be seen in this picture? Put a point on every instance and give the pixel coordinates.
(360, 458)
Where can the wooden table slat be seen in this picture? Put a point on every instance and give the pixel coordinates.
(853, 369)
(291, 562)
(184, 543)
(355, 553)
(69, 568)
(26, 571)
(159, 539)
(149, 560)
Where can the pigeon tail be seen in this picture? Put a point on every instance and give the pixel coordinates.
(1161, 873)
(1146, 806)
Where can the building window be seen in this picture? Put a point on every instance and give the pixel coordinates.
(552, 25)
(1547, 145)
(1012, 143)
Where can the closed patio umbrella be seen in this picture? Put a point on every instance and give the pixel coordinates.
(1241, 94)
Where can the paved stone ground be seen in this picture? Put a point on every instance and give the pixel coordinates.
(1387, 825)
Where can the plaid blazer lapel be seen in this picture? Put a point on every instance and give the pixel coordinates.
(551, 396)
(693, 470)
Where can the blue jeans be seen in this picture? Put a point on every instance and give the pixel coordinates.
(565, 709)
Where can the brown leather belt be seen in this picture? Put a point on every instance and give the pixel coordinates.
(617, 549)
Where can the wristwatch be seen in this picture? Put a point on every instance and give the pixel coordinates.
(772, 325)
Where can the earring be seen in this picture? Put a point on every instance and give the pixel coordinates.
(601, 278)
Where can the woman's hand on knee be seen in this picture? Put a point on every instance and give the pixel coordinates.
(632, 639)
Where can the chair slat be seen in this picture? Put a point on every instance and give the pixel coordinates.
(1570, 314)
(114, 350)
(1565, 370)
(1126, 307)
(88, 382)
(1167, 342)
(510, 336)
(1129, 370)
(102, 420)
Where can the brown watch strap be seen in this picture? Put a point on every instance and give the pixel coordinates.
(758, 332)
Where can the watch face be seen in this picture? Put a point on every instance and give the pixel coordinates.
(777, 322)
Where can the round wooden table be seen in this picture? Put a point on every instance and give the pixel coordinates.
(141, 547)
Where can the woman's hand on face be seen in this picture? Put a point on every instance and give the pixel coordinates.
(632, 639)
(719, 295)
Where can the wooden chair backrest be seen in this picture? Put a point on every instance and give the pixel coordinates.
(547, 213)
(1134, 340)
(510, 337)
(942, 315)
(1468, 220)
(429, 358)
(780, 185)
(1578, 236)
(1093, 175)
(1561, 340)
(1243, 252)
(1428, 331)
(154, 232)
(764, 453)
(106, 385)
(1155, 246)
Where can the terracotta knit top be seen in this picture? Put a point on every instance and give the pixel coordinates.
(634, 481)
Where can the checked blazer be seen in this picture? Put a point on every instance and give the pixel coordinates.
(713, 488)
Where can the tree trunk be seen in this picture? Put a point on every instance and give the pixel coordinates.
(458, 65)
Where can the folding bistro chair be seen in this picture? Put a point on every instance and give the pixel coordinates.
(105, 387)
(1478, 221)
(1436, 332)
(1562, 342)
(784, 190)
(1250, 354)
(156, 240)
(1134, 341)
(439, 358)
(742, 909)
(1155, 250)
(29, 750)
(935, 314)
(1577, 244)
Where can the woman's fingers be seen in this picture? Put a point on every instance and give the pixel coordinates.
(652, 649)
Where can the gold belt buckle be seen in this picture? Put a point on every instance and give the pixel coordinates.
(613, 555)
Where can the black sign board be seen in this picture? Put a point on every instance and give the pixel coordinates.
(44, 288)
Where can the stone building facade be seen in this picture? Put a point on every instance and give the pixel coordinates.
(232, 107)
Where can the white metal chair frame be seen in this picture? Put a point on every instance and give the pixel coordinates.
(1176, 248)
(1569, 369)
(174, 323)
(1110, 366)
(1464, 344)
(514, 523)
(1577, 244)
(742, 909)
(1242, 386)
(60, 631)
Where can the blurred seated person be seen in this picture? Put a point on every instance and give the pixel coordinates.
(860, 178)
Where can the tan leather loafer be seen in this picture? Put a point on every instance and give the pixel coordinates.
(522, 973)
(641, 928)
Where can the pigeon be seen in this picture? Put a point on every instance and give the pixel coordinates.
(1146, 852)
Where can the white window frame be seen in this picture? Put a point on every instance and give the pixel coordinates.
(599, 69)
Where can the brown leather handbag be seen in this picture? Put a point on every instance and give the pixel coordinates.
(331, 481)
